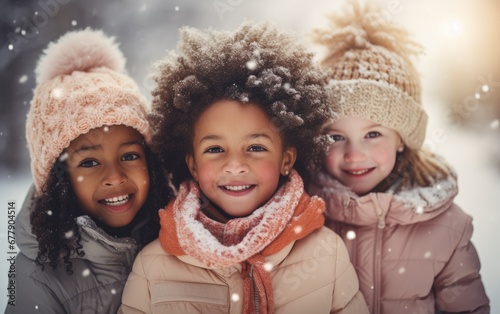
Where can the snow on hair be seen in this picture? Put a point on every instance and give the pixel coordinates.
(79, 51)
(255, 64)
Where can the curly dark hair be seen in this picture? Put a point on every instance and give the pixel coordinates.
(55, 209)
(255, 64)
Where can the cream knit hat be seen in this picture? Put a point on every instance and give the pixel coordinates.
(81, 86)
(372, 74)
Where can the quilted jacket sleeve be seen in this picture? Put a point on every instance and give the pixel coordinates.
(458, 287)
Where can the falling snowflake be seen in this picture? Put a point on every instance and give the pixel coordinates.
(427, 254)
(176, 8)
(477, 95)
(36, 307)
(494, 124)
(350, 235)
(113, 291)
(86, 272)
(57, 93)
(49, 212)
(268, 266)
(64, 156)
(73, 23)
(419, 210)
(485, 88)
(401, 270)
(23, 79)
(297, 229)
(235, 297)
(79, 179)
(69, 234)
(11, 47)
(251, 65)
(106, 129)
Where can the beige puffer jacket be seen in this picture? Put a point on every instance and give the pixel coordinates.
(305, 279)
(411, 250)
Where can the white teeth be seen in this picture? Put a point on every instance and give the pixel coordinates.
(237, 188)
(116, 201)
(359, 172)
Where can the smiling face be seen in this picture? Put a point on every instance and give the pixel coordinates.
(109, 174)
(363, 153)
(238, 156)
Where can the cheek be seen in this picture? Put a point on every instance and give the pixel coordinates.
(331, 160)
(207, 175)
(386, 158)
(269, 171)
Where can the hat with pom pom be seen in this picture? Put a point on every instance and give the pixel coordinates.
(372, 74)
(82, 85)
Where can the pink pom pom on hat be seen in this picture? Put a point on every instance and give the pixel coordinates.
(82, 85)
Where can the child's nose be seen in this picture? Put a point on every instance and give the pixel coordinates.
(235, 164)
(354, 153)
(114, 176)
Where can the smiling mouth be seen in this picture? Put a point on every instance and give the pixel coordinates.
(117, 200)
(358, 172)
(236, 188)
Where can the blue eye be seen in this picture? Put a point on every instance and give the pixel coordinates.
(336, 137)
(130, 156)
(373, 134)
(88, 163)
(256, 148)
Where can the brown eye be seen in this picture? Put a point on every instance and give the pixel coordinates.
(88, 163)
(214, 150)
(256, 148)
(130, 156)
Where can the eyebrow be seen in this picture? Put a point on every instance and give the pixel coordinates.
(99, 146)
(248, 137)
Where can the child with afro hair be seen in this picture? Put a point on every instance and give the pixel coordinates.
(238, 120)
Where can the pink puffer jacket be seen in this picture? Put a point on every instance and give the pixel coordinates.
(411, 250)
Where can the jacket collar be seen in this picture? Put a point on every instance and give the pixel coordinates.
(98, 246)
(396, 205)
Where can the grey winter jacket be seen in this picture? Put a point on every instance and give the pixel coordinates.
(96, 285)
(411, 249)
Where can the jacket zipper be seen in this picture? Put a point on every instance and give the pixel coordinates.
(254, 292)
(377, 271)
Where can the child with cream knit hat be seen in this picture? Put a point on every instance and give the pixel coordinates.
(389, 199)
(97, 186)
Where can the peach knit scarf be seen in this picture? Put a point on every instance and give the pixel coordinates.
(288, 216)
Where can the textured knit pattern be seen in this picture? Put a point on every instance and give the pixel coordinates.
(288, 216)
(81, 86)
(372, 74)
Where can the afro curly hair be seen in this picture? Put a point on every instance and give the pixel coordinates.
(255, 64)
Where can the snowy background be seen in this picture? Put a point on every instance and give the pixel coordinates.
(460, 71)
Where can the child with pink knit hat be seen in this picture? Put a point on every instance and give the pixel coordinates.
(239, 115)
(387, 197)
(97, 185)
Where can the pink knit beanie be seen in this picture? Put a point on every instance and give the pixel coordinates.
(372, 75)
(82, 85)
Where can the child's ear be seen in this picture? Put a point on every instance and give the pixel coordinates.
(401, 145)
(192, 166)
(289, 157)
